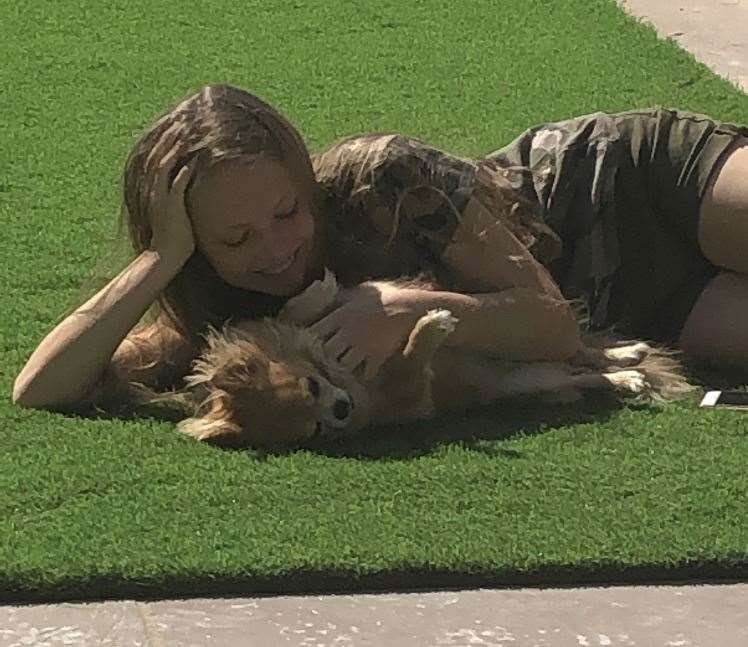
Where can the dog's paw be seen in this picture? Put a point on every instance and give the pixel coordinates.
(442, 319)
(313, 303)
(630, 354)
(628, 381)
(429, 333)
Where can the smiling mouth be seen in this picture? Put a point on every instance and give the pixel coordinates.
(282, 267)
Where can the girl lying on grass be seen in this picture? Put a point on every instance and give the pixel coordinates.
(642, 216)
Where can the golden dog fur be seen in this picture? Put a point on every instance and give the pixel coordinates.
(269, 382)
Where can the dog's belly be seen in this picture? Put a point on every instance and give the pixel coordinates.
(464, 379)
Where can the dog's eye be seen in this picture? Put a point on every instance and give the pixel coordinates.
(313, 385)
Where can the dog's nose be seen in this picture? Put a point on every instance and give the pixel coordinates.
(341, 409)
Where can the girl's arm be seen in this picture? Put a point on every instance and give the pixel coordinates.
(507, 302)
(483, 255)
(80, 360)
(85, 356)
(520, 324)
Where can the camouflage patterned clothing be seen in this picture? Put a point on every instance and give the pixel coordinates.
(615, 197)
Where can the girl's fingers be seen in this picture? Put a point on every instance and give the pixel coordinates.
(324, 328)
(352, 359)
(336, 346)
(162, 145)
(162, 157)
(184, 175)
(166, 168)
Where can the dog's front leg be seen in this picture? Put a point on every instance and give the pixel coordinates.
(427, 336)
(404, 384)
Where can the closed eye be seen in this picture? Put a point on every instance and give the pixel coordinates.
(313, 386)
(280, 216)
(240, 241)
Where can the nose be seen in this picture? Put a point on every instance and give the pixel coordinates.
(341, 409)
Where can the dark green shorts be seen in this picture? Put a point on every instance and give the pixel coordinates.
(623, 192)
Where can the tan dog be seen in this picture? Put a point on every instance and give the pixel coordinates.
(264, 383)
(269, 382)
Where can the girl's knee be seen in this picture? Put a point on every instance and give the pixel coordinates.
(715, 330)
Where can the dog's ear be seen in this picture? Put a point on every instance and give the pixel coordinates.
(217, 426)
(237, 374)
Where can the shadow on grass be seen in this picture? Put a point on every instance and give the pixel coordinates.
(307, 582)
(476, 428)
(473, 429)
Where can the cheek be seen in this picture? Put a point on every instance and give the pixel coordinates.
(299, 231)
(303, 227)
(228, 263)
(310, 230)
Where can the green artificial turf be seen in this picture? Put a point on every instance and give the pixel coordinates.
(102, 507)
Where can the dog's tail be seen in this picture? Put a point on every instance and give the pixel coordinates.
(664, 375)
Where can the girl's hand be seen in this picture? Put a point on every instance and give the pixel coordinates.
(372, 324)
(171, 226)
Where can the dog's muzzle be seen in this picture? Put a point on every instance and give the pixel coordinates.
(338, 414)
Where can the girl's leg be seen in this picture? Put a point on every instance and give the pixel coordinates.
(723, 216)
(716, 330)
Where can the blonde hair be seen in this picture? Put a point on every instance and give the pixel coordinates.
(350, 169)
(218, 122)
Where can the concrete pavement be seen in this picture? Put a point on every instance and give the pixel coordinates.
(714, 31)
(646, 616)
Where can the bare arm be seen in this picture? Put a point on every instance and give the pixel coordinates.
(71, 359)
(519, 324)
(507, 302)
(485, 256)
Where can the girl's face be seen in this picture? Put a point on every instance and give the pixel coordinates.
(254, 225)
